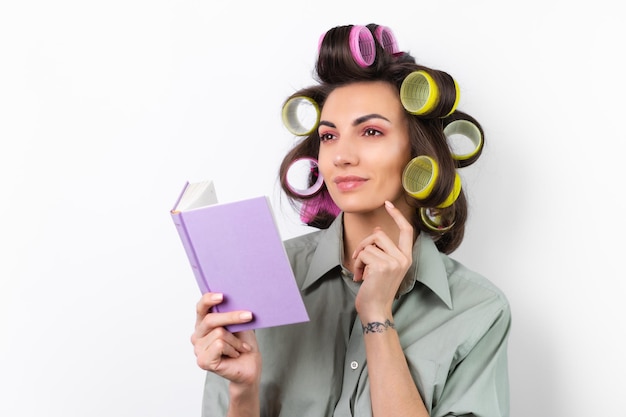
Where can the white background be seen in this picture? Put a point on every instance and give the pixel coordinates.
(107, 108)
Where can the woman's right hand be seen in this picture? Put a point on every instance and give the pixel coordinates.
(234, 356)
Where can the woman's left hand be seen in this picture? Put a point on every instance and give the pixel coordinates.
(382, 264)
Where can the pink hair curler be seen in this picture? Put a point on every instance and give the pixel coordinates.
(386, 38)
(319, 42)
(303, 170)
(362, 45)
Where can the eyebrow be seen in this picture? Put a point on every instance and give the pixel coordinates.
(367, 117)
(357, 121)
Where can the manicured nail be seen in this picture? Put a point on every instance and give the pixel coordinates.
(245, 315)
(246, 347)
(217, 297)
(389, 204)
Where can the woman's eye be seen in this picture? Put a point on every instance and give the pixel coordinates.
(371, 132)
(325, 136)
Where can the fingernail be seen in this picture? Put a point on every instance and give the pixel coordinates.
(245, 316)
(246, 347)
(217, 297)
(389, 204)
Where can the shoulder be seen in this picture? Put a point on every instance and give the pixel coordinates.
(302, 247)
(300, 251)
(302, 242)
(459, 273)
(468, 287)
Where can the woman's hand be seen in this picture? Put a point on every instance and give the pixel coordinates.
(234, 356)
(382, 264)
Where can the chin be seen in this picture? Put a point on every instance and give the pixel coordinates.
(358, 205)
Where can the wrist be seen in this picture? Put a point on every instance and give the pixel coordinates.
(244, 400)
(371, 313)
(378, 326)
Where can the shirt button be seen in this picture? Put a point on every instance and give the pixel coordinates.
(354, 364)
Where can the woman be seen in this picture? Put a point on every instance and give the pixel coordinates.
(397, 327)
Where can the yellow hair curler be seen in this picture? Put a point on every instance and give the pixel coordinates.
(419, 93)
(419, 176)
(468, 130)
(434, 221)
(301, 115)
(457, 98)
(454, 194)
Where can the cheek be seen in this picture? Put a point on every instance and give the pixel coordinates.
(394, 179)
(324, 163)
(397, 159)
(395, 169)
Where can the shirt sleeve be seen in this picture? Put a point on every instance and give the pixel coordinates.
(216, 399)
(479, 385)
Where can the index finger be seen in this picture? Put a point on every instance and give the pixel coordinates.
(405, 239)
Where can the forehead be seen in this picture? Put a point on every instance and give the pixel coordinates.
(363, 98)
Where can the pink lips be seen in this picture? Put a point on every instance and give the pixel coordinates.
(349, 183)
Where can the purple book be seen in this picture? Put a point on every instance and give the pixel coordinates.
(235, 249)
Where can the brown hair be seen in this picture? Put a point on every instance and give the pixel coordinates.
(335, 67)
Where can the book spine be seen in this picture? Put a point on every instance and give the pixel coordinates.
(191, 253)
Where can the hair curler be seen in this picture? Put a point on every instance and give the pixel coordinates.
(304, 170)
(420, 176)
(433, 219)
(319, 42)
(465, 129)
(301, 115)
(419, 93)
(454, 194)
(457, 98)
(362, 45)
(387, 40)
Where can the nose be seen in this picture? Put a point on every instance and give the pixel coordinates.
(345, 152)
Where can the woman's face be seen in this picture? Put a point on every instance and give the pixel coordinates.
(364, 146)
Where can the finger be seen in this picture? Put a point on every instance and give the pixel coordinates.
(231, 342)
(405, 239)
(206, 303)
(227, 343)
(248, 339)
(225, 349)
(377, 240)
(373, 248)
(212, 355)
(370, 255)
(228, 318)
(215, 320)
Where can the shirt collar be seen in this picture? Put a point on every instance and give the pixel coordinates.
(328, 252)
(428, 266)
(431, 270)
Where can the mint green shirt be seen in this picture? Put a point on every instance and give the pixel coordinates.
(453, 326)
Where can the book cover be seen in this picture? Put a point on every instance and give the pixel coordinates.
(235, 249)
